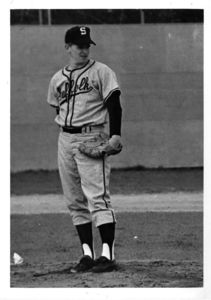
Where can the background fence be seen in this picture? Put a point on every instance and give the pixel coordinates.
(105, 16)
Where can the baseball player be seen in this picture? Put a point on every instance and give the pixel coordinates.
(86, 96)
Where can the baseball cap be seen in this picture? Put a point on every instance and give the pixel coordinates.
(78, 35)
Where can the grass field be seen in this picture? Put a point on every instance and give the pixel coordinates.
(129, 181)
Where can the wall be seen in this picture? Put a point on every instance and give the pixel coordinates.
(160, 70)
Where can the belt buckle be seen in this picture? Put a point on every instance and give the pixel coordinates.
(86, 129)
(83, 129)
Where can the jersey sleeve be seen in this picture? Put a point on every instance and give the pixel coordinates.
(108, 82)
(52, 97)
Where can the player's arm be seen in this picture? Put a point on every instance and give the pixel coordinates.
(109, 89)
(52, 97)
(115, 117)
(56, 108)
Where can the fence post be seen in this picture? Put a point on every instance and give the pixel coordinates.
(142, 16)
(49, 17)
(40, 17)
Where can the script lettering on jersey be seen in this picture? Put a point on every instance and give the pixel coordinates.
(71, 89)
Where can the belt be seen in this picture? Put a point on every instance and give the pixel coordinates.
(82, 129)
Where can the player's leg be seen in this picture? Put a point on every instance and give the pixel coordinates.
(76, 201)
(95, 175)
(106, 262)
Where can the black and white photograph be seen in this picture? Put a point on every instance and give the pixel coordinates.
(107, 148)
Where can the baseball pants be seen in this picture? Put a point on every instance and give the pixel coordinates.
(85, 181)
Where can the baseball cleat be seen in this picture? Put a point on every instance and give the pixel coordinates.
(103, 264)
(85, 264)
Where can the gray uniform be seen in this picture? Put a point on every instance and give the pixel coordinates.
(80, 95)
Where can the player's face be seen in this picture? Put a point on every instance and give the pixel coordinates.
(79, 53)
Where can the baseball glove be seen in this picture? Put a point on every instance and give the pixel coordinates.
(98, 147)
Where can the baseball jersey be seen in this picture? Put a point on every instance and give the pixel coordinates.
(80, 94)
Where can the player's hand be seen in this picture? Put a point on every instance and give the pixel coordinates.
(115, 141)
(101, 146)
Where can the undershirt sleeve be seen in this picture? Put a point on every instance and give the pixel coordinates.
(115, 113)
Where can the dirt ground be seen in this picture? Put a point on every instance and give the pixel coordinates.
(155, 273)
(168, 202)
(167, 251)
(159, 242)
